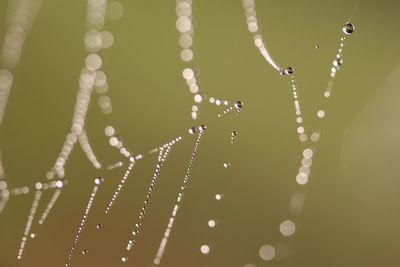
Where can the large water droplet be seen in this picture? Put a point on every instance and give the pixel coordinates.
(348, 28)
(239, 104)
(289, 71)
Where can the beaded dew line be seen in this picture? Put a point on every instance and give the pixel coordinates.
(288, 227)
(120, 185)
(28, 225)
(184, 25)
(253, 27)
(10, 54)
(97, 182)
(162, 157)
(50, 205)
(237, 106)
(87, 149)
(164, 241)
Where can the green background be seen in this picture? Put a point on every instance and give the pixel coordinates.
(350, 218)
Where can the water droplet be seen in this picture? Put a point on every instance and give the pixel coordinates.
(124, 259)
(205, 249)
(282, 73)
(348, 28)
(98, 181)
(287, 228)
(289, 71)
(202, 127)
(317, 46)
(227, 165)
(219, 196)
(192, 130)
(85, 252)
(321, 113)
(267, 252)
(239, 104)
(99, 226)
(338, 62)
(212, 223)
(33, 235)
(233, 136)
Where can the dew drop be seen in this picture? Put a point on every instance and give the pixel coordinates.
(348, 28)
(205, 249)
(192, 130)
(321, 113)
(85, 252)
(98, 181)
(287, 228)
(239, 104)
(317, 46)
(124, 259)
(289, 71)
(227, 165)
(267, 252)
(233, 136)
(338, 62)
(212, 223)
(99, 226)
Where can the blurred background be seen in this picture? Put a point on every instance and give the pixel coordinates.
(351, 211)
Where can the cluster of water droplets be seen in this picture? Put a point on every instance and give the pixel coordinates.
(164, 241)
(254, 28)
(20, 18)
(184, 26)
(97, 183)
(288, 227)
(162, 157)
(236, 107)
(116, 142)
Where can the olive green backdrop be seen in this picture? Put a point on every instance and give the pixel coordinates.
(346, 222)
